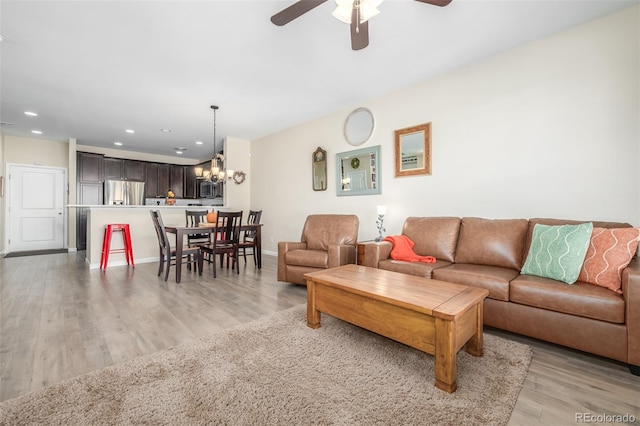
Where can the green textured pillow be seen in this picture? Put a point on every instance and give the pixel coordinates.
(558, 252)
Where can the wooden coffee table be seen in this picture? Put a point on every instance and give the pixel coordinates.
(433, 316)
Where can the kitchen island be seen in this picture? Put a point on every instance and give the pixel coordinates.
(143, 236)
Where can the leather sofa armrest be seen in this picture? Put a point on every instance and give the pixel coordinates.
(631, 293)
(375, 252)
(341, 254)
(283, 248)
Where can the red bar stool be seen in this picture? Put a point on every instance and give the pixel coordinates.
(106, 243)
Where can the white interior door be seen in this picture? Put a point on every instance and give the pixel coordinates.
(35, 213)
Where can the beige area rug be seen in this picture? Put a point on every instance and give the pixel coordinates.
(277, 371)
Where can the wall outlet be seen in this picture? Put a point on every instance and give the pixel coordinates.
(272, 239)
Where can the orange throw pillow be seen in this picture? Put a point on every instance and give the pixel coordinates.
(609, 252)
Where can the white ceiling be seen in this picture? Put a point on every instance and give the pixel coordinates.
(92, 69)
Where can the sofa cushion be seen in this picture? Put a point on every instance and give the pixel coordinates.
(553, 222)
(311, 258)
(434, 236)
(581, 299)
(558, 252)
(491, 278)
(609, 252)
(419, 269)
(492, 242)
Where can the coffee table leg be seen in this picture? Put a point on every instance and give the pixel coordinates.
(475, 344)
(445, 358)
(313, 315)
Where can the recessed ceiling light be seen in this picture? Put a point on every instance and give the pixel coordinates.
(37, 132)
(199, 142)
(130, 131)
(31, 113)
(118, 143)
(165, 130)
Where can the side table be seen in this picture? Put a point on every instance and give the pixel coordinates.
(360, 256)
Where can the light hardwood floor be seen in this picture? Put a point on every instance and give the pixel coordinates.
(59, 319)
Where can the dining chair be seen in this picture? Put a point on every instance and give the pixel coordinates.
(195, 218)
(190, 255)
(249, 236)
(225, 241)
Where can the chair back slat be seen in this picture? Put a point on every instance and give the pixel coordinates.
(195, 218)
(228, 229)
(252, 219)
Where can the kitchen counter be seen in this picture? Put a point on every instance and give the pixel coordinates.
(143, 234)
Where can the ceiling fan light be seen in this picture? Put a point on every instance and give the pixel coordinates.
(367, 11)
(343, 11)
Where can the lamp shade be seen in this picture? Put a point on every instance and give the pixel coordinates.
(382, 210)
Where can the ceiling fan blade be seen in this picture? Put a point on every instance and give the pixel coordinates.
(359, 35)
(359, 32)
(440, 3)
(292, 12)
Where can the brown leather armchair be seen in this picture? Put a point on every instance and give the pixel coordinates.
(328, 240)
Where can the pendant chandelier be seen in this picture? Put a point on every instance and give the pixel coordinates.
(216, 173)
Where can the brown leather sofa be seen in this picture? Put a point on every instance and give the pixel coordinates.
(489, 253)
(328, 240)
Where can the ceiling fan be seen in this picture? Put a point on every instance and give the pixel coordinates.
(356, 13)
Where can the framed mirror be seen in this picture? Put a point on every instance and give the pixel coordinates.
(413, 150)
(358, 172)
(319, 169)
(358, 127)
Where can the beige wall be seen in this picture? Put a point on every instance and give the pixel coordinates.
(238, 157)
(548, 129)
(38, 152)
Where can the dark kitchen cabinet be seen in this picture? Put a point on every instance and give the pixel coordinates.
(135, 170)
(88, 191)
(158, 179)
(164, 179)
(113, 168)
(89, 169)
(177, 181)
(190, 182)
(151, 185)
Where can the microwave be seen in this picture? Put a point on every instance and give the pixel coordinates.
(208, 190)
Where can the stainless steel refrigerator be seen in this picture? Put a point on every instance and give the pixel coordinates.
(123, 192)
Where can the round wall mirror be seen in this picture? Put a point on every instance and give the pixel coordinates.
(359, 125)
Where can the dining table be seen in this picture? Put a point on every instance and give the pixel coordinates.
(246, 227)
(180, 232)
